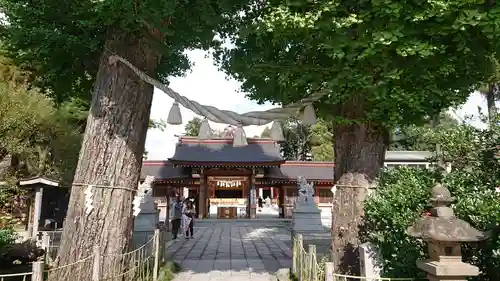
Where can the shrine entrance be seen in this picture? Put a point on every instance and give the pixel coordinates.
(227, 196)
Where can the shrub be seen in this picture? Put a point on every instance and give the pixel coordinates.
(403, 195)
(7, 238)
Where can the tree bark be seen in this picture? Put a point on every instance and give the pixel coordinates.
(359, 155)
(492, 94)
(111, 155)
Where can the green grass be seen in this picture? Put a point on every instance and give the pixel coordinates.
(168, 271)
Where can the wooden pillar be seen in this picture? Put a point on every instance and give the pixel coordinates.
(201, 196)
(38, 210)
(281, 201)
(252, 196)
(31, 207)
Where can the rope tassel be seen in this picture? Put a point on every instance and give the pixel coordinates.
(277, 132)
(174, 115)
(239, 137)
(205, 131)
(309, 115)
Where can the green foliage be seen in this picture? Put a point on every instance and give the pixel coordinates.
(35, 133)
(266, 133)
(64, 51)
(403, 194)
(192, 127)
(302, 142)
(7, 238)
(297, 145)
(412, 137)
(322, 141)
(168, 271)
(157, 124)
(390, 62)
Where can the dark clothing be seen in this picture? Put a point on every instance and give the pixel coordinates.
(261, 202)
(176, 224)
(189, 231)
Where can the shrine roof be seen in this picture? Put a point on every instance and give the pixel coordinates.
(163, 170)
(407, 156)
(191, 151)
(290, 170)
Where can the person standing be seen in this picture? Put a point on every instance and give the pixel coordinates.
(189, 213)
(176, 220)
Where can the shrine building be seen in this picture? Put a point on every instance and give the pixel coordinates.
(225, 181)
(220, 177)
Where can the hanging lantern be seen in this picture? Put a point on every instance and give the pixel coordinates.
(205, 131)
(174, 115)
(277, 132)
(239, 137)
(309, 115)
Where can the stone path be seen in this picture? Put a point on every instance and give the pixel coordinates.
(241, 251)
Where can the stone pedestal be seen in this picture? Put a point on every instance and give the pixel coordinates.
(444, 271)
(146, 222)
(306, 220)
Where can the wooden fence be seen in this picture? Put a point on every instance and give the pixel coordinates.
(305, 266)
(141, 264)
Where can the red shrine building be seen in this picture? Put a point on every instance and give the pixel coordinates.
(225, 181)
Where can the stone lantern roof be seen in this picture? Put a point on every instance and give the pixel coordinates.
(442, 225)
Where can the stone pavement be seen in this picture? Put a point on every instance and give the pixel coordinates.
(241, 251)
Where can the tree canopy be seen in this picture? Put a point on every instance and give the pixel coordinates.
(63, 51)
(390, 62)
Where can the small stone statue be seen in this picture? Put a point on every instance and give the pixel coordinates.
(306, 191)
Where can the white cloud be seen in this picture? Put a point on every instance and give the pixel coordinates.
(209, 86)
(472, 109)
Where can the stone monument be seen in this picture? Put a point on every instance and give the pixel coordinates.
(148, 216)
(443, 233)
(306, 215)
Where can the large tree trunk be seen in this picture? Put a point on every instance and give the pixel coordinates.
(111, 155)
(359, 155)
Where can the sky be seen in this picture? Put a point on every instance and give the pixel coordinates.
(209, 86)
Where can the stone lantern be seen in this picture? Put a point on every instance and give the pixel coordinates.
(443, 233)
